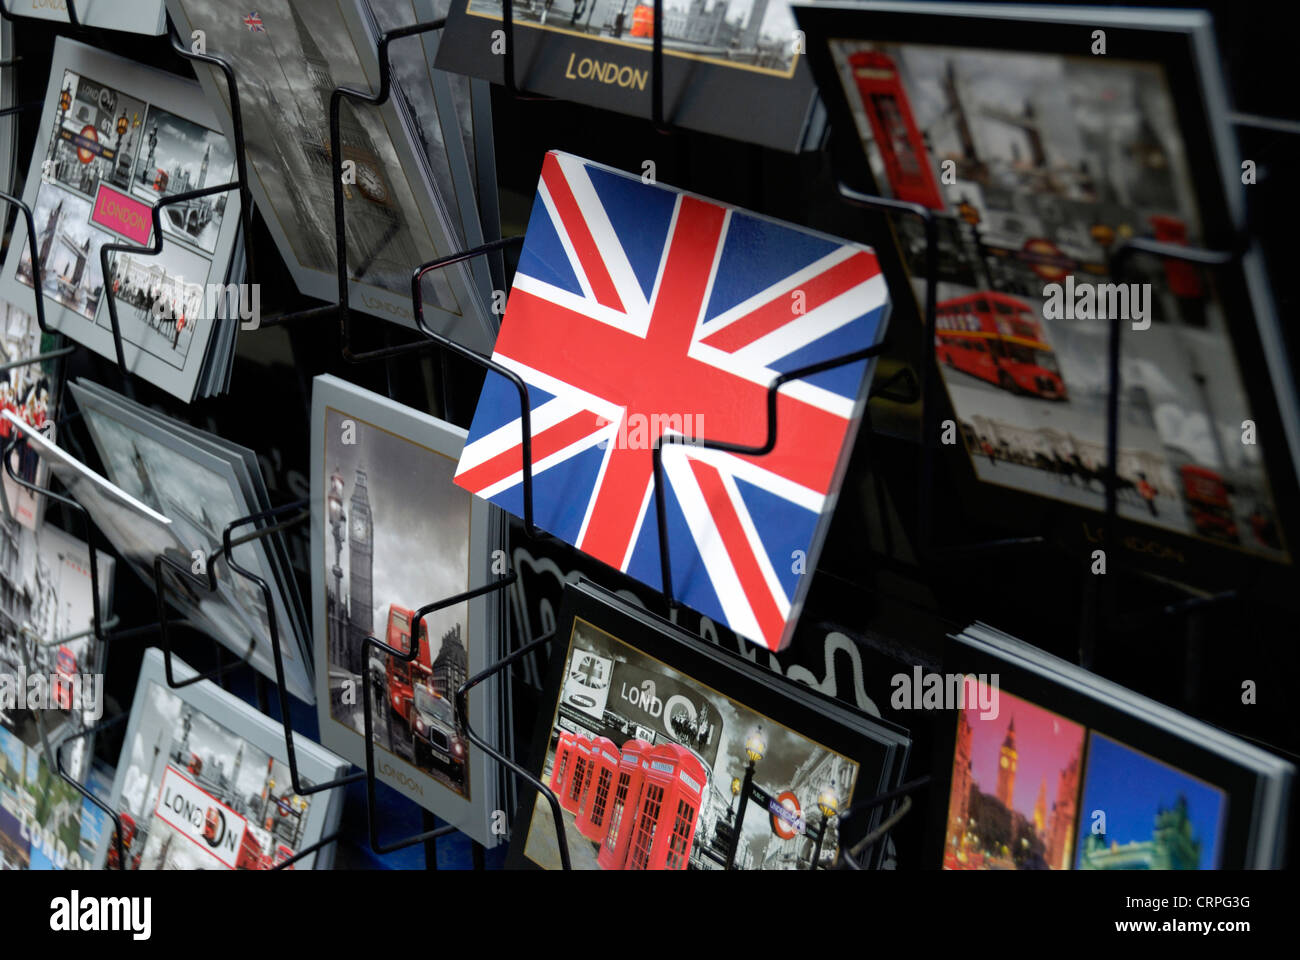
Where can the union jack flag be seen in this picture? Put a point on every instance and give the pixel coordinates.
(639, 311)
(254, 23)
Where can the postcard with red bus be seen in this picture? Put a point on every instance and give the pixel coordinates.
(1039, 164)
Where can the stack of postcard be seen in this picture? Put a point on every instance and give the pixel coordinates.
(1055, 768)
(51, 688)
(204, 783)
(391, 535)
(31, 391)
(202, 482)
(1039, 158)
(636, 732)
(171, 490)
(116, 140)
(735, 69)
(130, 16)
(418, 170)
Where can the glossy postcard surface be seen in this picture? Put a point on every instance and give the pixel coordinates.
(640, 312)
(648, 763)
(1042, 164)
(1015, 785)
(1152, 816)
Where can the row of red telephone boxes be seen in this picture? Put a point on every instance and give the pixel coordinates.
(641, 803)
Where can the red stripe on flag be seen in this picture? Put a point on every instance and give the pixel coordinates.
(777, 312)
(687, 268)
(575, 225)
(617, 506)
(551, 440)
(629, 371)
(741, 554)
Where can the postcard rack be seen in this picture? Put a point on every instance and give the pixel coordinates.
(903, 387)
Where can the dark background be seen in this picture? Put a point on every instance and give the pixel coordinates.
(869, 587)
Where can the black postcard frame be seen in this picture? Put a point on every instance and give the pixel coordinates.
(1181, 558)
(1238, 783)
(822, 719)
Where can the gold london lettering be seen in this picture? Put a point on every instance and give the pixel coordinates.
(601, 72)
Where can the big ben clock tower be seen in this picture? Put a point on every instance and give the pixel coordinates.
(1007, 758)
(361, 572)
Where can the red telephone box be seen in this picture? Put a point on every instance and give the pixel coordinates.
(571, 795)
(1181, 275)
(902, 148)
(668, 810)
(563, 762)
(591, 819)
(622, 812)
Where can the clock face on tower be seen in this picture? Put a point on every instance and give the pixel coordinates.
(371, 183)
(1004, 761)
(359, 529)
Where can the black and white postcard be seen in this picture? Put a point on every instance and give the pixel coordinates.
(391, 533)
(203, 783)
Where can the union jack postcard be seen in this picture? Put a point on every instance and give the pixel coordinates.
(640, 311)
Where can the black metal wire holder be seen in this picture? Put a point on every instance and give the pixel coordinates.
(462, 707)
(96, 613)
(408, 656)
(368, 773)
(98, 626)
(86, 792)
(487, 363)
(508, 66)
(925, 547)
(153, 250)
(741, 449)
(37, 282)
(164, 622)
(887, 796)
(240, 147)
(343, 308)
(18, 107)
(227, 544)
(308, 850)
(208, 581)
(1101, 591)
(38, 294)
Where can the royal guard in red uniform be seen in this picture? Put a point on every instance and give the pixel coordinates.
(40, 421)
(669, 810)
(623, 807)
(6, 403)
(593, 809)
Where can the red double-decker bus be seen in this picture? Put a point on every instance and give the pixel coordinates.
(429, 718)
(997, 338)
(1207, 503)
